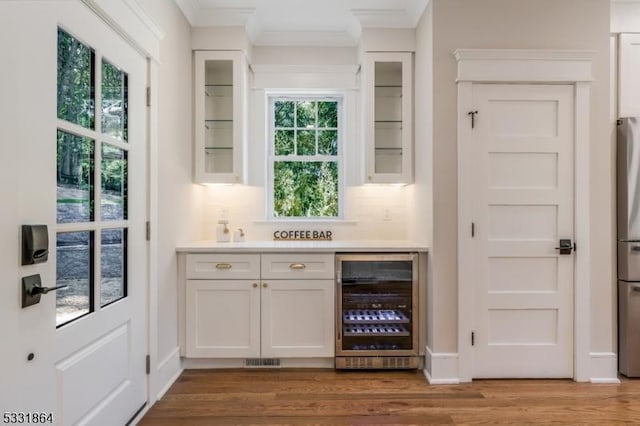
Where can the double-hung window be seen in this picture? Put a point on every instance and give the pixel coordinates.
(304, 160)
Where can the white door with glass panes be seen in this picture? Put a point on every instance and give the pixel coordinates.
(522, 182)
(79, 124)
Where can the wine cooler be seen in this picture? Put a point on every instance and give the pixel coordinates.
(377, 312)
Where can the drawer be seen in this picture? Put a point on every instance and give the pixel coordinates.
(223, 266)
(296, 266)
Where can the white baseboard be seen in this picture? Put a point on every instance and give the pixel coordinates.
(441, 368)
(604, 367)
(167, 372)
(200, 363)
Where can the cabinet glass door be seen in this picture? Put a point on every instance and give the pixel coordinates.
(220, 84)
(388, 118)
(388, 112)
(218, 116)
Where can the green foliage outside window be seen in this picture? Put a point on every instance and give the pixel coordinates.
(305, 167)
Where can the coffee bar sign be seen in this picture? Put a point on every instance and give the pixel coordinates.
(301, 235)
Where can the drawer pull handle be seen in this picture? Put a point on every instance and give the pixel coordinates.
(223, 266)
(297, 266)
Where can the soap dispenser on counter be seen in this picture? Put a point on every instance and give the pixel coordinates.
(223, 235)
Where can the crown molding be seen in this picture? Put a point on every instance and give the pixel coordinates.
(378, 14)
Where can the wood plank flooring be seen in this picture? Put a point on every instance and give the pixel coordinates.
(328, 397)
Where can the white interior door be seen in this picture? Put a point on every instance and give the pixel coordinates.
(78, 139)
(523, 184)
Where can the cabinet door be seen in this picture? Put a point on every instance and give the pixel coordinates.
(223, 318)
(629, 72)
(220, 109)
(388, 112)
(298, 318)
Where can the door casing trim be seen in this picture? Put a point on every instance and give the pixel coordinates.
(567, 67)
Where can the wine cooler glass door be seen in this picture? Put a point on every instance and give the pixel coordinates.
(377, 305)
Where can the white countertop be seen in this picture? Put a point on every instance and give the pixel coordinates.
(306, 246)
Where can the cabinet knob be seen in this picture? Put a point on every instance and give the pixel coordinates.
(265, 285)
(255, 285)
(297, 266)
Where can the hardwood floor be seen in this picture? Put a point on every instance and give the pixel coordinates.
(328, 397)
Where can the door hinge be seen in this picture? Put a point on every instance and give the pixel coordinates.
(473, 118)
(148, 96)
(473, 338)
(473, 229)
(148, 231)
(148, 364)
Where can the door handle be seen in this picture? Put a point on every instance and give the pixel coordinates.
(44, 290)
(565, 246)
(635, 248)
(635, 288)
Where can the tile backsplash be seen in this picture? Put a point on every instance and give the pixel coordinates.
(372, 212)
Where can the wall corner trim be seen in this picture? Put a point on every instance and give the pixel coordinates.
(604, 367)
(441, 368)
(167, 372)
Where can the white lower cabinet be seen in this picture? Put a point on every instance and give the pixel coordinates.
(297, 318)
(223, 319)
(282, 313)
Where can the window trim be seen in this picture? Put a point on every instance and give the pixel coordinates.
(271, 98)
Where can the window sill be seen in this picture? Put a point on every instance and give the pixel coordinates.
(306, 222)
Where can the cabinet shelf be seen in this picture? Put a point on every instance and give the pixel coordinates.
(219, 90)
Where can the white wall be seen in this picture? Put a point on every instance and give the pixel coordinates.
(518, 24)
(179, 200)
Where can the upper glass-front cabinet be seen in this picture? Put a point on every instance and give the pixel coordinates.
(388, 112)
(220, 111)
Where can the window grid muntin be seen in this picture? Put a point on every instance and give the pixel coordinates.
(273, 158)
(98, 138)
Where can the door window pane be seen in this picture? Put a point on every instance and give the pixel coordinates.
(114, 101)
(76, 89)
(114, 184)
(74, 266)
(74, 178)
(113, 264)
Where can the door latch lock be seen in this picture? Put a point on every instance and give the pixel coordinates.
(565, 246)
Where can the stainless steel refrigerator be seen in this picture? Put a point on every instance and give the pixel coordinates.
(628, 189)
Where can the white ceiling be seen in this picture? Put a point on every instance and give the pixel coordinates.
(304, 22)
